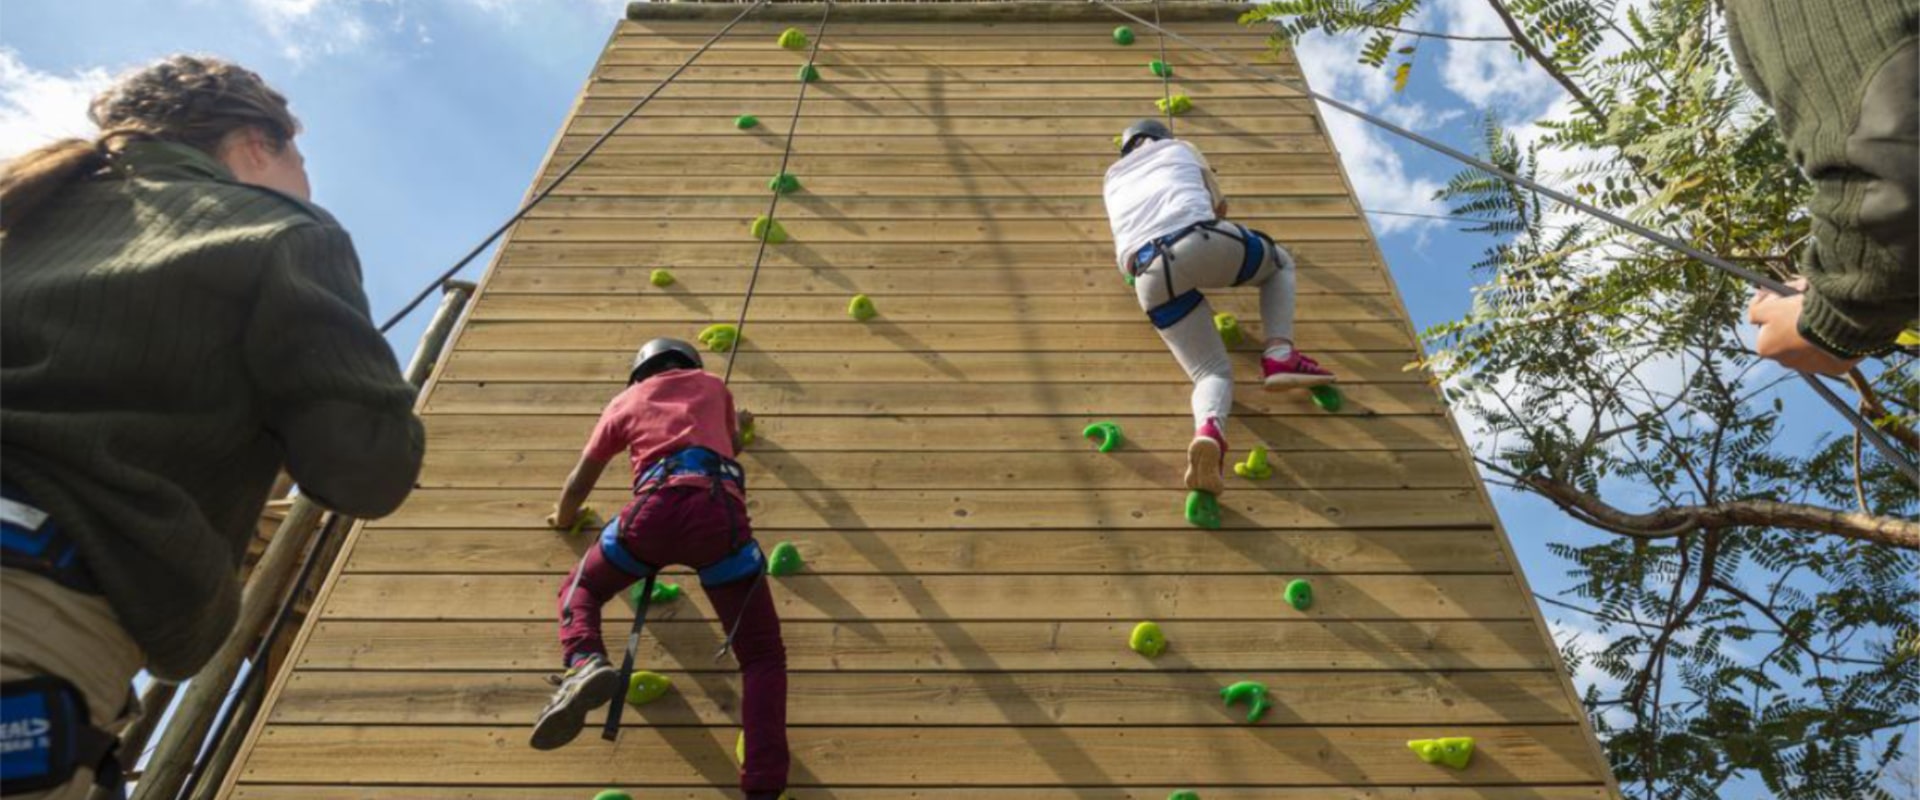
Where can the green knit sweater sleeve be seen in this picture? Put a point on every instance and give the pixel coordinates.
(326, 379)
(1842, 80)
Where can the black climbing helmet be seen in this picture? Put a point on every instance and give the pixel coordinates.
(660, 355)
(1146, 128)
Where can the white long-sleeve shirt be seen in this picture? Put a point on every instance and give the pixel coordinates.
(1160, 187)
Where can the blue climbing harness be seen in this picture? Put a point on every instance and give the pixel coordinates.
(1179, 305)
(31, 540)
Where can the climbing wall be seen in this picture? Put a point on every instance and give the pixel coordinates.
(974, 567)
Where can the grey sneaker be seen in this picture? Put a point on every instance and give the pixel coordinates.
(589, 685)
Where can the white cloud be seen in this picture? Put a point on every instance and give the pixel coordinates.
(1486, 74)
(305, 29)
(37, 107)
(1379, 173)
(1587, 640)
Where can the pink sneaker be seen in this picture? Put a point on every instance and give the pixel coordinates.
(1295, 371)
(1206, 459)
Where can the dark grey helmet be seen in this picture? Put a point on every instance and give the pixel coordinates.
(1146, 128)
(660, 355)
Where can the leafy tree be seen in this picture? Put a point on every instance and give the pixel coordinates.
(1760, 608)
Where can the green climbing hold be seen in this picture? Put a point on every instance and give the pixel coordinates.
(645, 687)
(1147, 640)
(1326, 397)
(1253, 693)
(1184, 794)
(719, 338)
(1203, 510)
(1176, 104)
(1106, 436)
(1229, 327)
(784, 183)
(1453, 751)
(613, 794)
(1255, 468)
(1299, 594)
(768, 229)
(745, 121)
(584, 519)
(808, 74)
(1117, 144)
(663, 593)
(792, 39)
(1160, 68)
(861, 308)
(1123, 35)
(784, 560)
(661, 278)
(747, 434)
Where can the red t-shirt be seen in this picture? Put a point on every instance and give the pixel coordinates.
(664, 414)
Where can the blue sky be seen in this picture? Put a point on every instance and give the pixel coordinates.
(426, 119)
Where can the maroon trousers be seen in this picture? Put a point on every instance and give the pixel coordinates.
(694, 526)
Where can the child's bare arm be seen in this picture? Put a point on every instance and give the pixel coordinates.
(579, 484)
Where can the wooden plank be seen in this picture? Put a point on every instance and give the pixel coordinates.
(1105, 84)
(987, 281)
(687, 645)
(949, 699)
(1130, 71)
(464, 792)
(529, 550)
(759, 31)
(1009, 234)
(1099, 129)
(824, 106)
(853, 60)
(843, 757)
(1086, 401)
(720, 138)
(1116, 305)
(487, 366)
(1168, 433)
(958, 164)
(907, 598)
(895, 255)
(867, 36)
(833, 187)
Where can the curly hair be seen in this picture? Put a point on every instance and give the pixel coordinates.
(192, 100)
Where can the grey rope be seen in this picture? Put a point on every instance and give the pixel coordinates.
(1166, 70)
(527, 207)
(1901, 460)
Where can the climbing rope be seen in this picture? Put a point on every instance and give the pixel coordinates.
(1894, 455)
(1166, 70)
(527, 207)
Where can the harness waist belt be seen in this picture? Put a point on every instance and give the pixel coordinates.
(32, 540)
(696, 461)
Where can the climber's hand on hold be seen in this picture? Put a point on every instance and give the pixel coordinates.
(1779, 338)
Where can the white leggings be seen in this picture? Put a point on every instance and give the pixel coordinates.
(1211, 259)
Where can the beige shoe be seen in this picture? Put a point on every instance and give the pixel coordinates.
(1206, 460)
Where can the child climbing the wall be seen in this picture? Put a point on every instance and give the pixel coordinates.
(677, 424)
(1166, 210)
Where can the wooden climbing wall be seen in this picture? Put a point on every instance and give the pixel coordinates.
(974, 567)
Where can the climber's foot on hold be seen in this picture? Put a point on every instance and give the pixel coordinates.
(590, 684)
(1296, 371)
(1206, 459)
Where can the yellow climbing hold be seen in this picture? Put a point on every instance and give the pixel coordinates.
(720, 338)
(740, 748)
(793, 39)
(1176, 105)
(861, 308)
(1452, 751)
(1229, 327)
(1147, 640)
(646, 687)
(1908, 338)
(661, 278)
(768, 229)
(1255, 468)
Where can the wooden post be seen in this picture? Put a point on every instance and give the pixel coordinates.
(183, 739)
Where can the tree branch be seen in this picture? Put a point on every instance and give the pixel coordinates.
(1872, 408)
(1668, 523)
(1553, 70)
(1447, 36)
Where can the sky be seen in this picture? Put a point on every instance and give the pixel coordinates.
(426, 119)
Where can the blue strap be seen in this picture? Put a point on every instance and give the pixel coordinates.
(698, 461)
(1256, 254)
(1167, 314)
(741, 564)
(615, 552)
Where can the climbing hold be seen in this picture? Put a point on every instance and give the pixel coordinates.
(1299, 594)
(785, 560)
(784, 183)
(1908, 338)
(1147, 640)
(793, 39)
(1203, 510)
(747, 434)
(1117, 144)
(808, 74)
(1453, 751)
(1176, 104)
(1123, 35)
(613, 794)
(745, 121)
(1160, 68)
(1255, 468)
(1184, 794)
(740, 747)
(1106, 436)
(646, 687)
(1326, 397)
(1229, 327)
(768, 229)
(661, 278)
(861, 308)
(663, 593)
(720, 338)
(584, 519)
(1253, 693)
